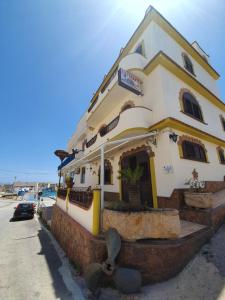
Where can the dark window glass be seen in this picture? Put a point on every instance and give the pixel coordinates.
(221, 155)
(188, 64)
(106, 129)
(107, 173)
(82, 176)
(223, 122)
(193, 151)
(139, 49)
(133, 162)
(191, 106)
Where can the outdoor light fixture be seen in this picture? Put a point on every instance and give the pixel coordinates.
(76, 151)
(173, 137)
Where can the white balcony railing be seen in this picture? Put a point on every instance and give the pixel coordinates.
(133, 61)
(136, 119)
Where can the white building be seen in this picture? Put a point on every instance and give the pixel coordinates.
(165, 88)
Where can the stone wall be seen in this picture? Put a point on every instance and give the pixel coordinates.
(78, 243)
(157, 260)
(210, 217)
(214, 186)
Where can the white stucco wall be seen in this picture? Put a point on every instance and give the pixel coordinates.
(82, 216)
(167, 154)
(156, 39)
(61, 203)
(171, 87)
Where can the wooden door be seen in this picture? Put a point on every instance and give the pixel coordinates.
(140, 158)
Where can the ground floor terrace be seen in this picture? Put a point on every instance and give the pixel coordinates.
(167, 158)
(171, 232)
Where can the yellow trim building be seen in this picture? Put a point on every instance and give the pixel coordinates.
(163, 91)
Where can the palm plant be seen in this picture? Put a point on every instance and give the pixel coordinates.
(132, 177)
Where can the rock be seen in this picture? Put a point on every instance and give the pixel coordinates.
(127, 280)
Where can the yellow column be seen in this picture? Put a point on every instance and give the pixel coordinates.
(153, 182)
(96, 211)
(67, 198)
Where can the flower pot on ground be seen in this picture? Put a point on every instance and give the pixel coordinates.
(134, 194)
(142, 223)
(196, 197)
(132, 178)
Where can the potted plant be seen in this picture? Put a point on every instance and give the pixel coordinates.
(69, 181)
(132, 178)
(196, 196)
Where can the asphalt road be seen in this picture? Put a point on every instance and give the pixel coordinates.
(32, 266)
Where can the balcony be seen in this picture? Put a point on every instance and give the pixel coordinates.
(111, 93)
(133, 121)
(133, 61)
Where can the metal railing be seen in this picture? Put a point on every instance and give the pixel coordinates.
(110, 126)
(91, 141)
(61, 193)
(81, 198)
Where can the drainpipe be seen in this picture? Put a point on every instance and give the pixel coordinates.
(102, 177)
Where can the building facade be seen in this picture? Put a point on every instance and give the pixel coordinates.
(158, 107)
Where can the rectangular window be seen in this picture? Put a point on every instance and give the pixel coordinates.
(223, 123)
(221, 155)
(82, 176)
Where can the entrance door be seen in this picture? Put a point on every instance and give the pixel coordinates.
(140, 158)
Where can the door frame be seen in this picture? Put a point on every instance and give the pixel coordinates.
(151, 156)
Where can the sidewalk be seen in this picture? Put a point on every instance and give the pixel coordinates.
(44, 208)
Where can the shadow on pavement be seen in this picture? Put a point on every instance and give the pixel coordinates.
(54, 263)
(19, 220)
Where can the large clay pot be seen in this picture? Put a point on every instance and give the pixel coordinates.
(198, 200)
(157, 223)
(134, 195)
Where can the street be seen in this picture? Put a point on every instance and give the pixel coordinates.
(31, 265)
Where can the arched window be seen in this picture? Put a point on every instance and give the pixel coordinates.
(188, 64)
(107, 173)
(193, 151)
(191, 106)
(222, 119)
(221, 156)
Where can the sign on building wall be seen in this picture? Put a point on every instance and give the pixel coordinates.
(129, 81)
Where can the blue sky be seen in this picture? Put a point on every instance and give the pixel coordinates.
(53, 56)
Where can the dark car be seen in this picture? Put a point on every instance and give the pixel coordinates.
(24, 210)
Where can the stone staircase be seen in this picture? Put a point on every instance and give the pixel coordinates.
(213, 217)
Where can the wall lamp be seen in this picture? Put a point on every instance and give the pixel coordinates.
(76, 151)
(173, 137)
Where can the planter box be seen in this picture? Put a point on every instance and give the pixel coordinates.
(156, 224)
(199, 200)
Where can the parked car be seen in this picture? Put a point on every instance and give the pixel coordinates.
(24, 210)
